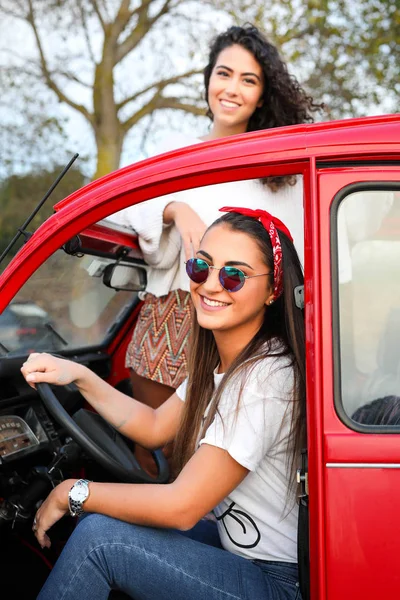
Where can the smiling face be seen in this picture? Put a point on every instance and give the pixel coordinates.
(241, 311)
(235, 90)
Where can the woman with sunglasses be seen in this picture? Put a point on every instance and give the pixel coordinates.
(238, 422)
(247, 88)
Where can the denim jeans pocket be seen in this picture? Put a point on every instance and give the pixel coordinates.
(285, 576)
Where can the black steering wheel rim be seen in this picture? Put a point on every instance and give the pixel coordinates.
(132, 474)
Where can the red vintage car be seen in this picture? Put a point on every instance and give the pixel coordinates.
(86, 274)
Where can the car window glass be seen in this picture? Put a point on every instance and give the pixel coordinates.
(63, 305)
(369, 306)
(78, 310)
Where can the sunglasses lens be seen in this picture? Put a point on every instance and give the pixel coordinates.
(197, 270)
(232, 280)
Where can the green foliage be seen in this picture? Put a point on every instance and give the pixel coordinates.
(346, 53)
(19, 196)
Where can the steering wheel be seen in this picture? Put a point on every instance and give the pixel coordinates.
(100, 441)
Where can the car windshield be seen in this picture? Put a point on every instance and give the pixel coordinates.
(63, 305)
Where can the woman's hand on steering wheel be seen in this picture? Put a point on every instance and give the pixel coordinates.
(45, 368)
(95, 436)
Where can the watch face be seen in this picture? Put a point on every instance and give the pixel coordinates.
(79, 492)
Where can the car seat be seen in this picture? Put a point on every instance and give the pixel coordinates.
(385, 380)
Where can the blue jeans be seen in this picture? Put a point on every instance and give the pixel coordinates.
(161, 564)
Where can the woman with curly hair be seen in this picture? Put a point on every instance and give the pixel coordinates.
(247, 88)
(282, 100)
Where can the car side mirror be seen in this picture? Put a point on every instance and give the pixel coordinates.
(130, 278)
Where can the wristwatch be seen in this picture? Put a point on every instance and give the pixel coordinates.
(77, 496)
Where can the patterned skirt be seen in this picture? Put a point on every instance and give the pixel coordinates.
(158, 349)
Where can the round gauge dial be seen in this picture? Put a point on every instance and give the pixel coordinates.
(15, 435)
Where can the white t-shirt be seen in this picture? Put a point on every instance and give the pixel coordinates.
(257, 520)
(161, 246)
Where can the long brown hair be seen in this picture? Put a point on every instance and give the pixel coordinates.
(281, 334)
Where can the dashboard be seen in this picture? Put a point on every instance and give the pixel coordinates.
(26, 427)
(25, 430)
(15, 435)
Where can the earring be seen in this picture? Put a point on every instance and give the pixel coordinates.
(271, 302)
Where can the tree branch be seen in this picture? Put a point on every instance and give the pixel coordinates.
(24, 61)
(177, 104)
(146, 133)
(38, 75)
(158, 103)
(51, 84)
(160, 85)
(71, 77)
(299, 34)
(143, 26)
(11, 13)
(123, 17)
(97, 11)
(85, 31)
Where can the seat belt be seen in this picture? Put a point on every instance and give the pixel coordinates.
(303, 536)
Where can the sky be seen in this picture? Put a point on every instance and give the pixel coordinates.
(164, 52)
(156, 55)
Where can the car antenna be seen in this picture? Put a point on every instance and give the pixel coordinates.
(22, 230)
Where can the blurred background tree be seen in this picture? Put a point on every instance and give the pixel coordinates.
(346, 53)
(20, 194)
(114, 63)
(117, 64)
(107, 78)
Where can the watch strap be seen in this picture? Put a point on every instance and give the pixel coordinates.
(75, 506)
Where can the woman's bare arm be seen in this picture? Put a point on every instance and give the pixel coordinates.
(188, 223)
(150, 428)
(206, 480)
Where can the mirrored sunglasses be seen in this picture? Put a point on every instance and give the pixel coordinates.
(231, 279)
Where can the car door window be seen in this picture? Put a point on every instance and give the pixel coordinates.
(64, 305)
(368, 234)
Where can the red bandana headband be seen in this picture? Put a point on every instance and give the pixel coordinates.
(271, 224)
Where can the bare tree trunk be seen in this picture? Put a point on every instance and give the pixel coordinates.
(107, 127)
(109, 147)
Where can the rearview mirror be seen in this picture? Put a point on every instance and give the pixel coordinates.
(130, 278)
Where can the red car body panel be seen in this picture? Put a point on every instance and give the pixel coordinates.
(354, 536)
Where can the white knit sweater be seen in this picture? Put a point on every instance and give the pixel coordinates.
(161, 245)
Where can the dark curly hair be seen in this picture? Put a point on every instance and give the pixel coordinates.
(284, 100)
(382, 411)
